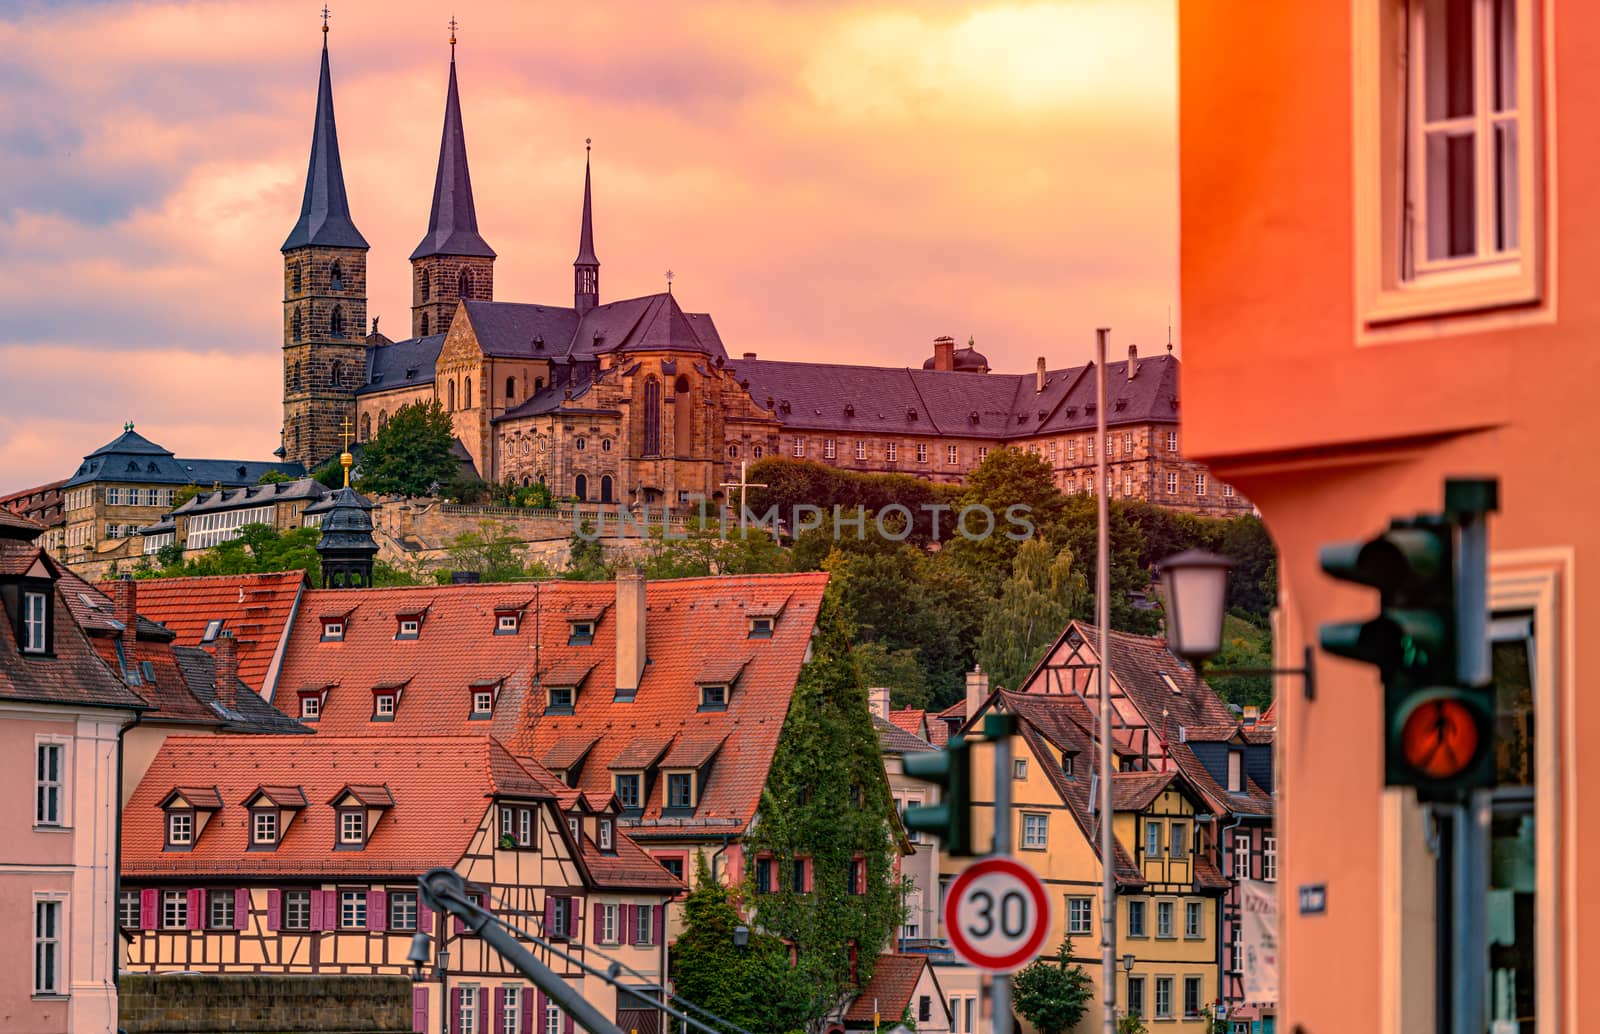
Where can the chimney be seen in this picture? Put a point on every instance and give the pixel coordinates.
(749, 355)
(125, 608)
(227, 673)
(1133, 361)
(944, 353)
(630, 631)
(977, 690)
(1038, 376)
(878, 701)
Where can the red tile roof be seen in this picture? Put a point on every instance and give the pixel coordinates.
(894, 981)
(911, 719)
(690, 623)
(255, 607)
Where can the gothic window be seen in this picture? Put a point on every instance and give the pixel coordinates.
(426, 280)
(299, 323)
(452, 400)
(336, 277)
(294, 278)
(652, 417)
(336, 322)
(338, 374)
(682, 423)
(605, 489)
(383, 419)
(366, 426)
(733, 452)
(466, 393)
(511, 389)
(423, 328)
(538, 385)
(463, 285)
(295, 383)
(580, 487)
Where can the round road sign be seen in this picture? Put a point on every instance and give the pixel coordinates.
(997, 914)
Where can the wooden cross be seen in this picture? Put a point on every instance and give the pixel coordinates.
(744, 484)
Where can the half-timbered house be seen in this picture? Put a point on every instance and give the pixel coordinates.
(301, 855)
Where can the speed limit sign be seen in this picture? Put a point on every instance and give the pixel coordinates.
(997, 914)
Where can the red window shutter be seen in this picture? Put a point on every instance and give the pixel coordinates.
(499, 1010)
(544, 1005)
(805, 876)
(197, 909)
(377, 910)
(455, 1010)
(658, 924)
(330, 910)
(241, 908)
(274, 910)
(424, 918)
(419, 1010)
(316, 911)
(147, 909)
(566, 1024)
(528, 1004)
(483, 1012)
(629, 934)
(599, 927)
(549, 915)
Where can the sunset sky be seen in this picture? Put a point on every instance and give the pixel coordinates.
(832, 181)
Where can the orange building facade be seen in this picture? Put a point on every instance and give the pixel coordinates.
(1387, 229)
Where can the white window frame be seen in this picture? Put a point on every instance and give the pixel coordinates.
(467, 1015)
(1080, 915)
(922, 452)
(506, 623)
(799, 447)
(1227, 491)
(1035, 831)
(511, 1017)
(1144, 918)
(1164, 928)
(50, 794)
(1199, 484)
(911, 929)
(1194, 920)
(891, 451)
(174, 910)
(352, 826)
(49, 946)
(1172, 482)
(608, 924)
(297, 910)
(1019, 768)
(383, 705)
(129, 909)
(35, 612)
(1241, 856)
(524, 827)
(180, 828)
(482, 701)
(311, 707)
(1160, 1011)
(952, 455)
(402, 905)
(644, 924)
(410, 628)
(333, 630)
(219, 910)
(1178, 840)
(861, 448)
(264, 827)
(552, 1019)
(829, 449)
(603, 834)
(1269, 858)
(352, 910)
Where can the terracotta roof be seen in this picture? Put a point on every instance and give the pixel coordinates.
(895, 740)
(911, 719)
(203, 797)
(1134, 791)
(564, 754)
(568, 671)
(29, 527)
(720, 670)
(1207, 876)
(689, 622)
(641, 752)
(282, 796)
(692, 749)
(254, 607)
(894, 981)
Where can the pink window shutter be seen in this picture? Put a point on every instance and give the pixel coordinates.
(527, 1010)
(424, 918)
(499, 1010)
(543, 1007)
(377, 910)
(197, 909)
(549, 915)
(419, 1010)
(455, 1010)
(330, 910)
(147, 910)
(658, 924)
(599, 927)
(241, 908)
(274, 910)
(566, 1024)
(483, 1010)
(315, 918)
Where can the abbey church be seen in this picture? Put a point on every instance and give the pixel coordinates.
(636, 401)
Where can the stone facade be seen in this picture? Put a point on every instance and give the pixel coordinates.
(438, 282)
(170, 1003)
(324, 348)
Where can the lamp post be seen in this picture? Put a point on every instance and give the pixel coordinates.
(1127, 966)
(418, 957)
(1194, 587)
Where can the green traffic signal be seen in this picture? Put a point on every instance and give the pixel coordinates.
(951, 819)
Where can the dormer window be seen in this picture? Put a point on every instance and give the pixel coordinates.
(561, 699)
(1067, 765)
(213, 629)
(383, 706)
(264, 827)
(628, 790)
(180, 829)
(35, 622)
(680, 791)
(572, 826)
(1235, 771)
(332, 631)
(410, 627)
(482, 701)
(761, 628)
(310, 706)
(604, 834)
(714, 697)
(582, 634)
(505, 624)
(352, 827)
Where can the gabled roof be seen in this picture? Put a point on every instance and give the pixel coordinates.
(912, 719)
(324, 210)
(248, 713)
(453, 223)
(894, 981)
(895, 740)
(403, 364)
(1134, 791)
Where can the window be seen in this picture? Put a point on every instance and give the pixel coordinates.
(891, 451)
(1172, 482)
(1235, 771)
(713, 697)
(580, 444)
(924, 1009)
(582, 633)
(1163, 998)
(1199, 484)
(525, 827)
(952, 455)
(336, 322)
(482, 701)
(219, 909)
(922, 452)
(763, 875)
(1178, 843)
(1163, 919)
(1269, 858)
(552, 1019)
(1088, 448)
(383, 705)
(1079, 915)
(511, 1015)
(761, 628)
(336, 277)
(1152, 838)
(174, 910)
(1136, 917)
(128, 909)
(828, 449)
(673, 866)
(680, 790)
(1236, 949)
(352, 826)
(1127, 484)
(353, 910)
(652, 416)
(1227, 491)
(1127, 443)
(409, 628)
(333, 630)
(1135, 996)
(913, 925)
(1191, 996)
(297, 910)
(505, 624)
(628, 790)
(402, 910)
(644, 925)
(1193, 914)
(1241, 856)
(463, 285)
(1172, 441)
(1035, 832)
(1067, 766)
(467, 1014)
(180, 828)
(561, 698)
(603, 828)
(264, 827)
(560, 917)
(572, 826)
(47, 947)
(310, 706)
(799, 446)
(861, 449)
(1019, 768)
(608, 924)
(33, 622)
(48, 777)
(1111, 445)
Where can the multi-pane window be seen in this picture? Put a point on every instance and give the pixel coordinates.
(604, 834)
(1079, 915)
(644, 925)
(264, 827)
(829, 450)
(508, 821)
(128, 909)
(1178, 842)
(297, 910)
(174, 910)
(861, 449)
(505, 623)
(799, 446)
(352, 826)
(1136, 927)
(333, 630)
(552, 1019)
(1191, 996)
(219, 909)
(310, 706)
(680, 790)
(608, 924)
(1172, 482)
(1152, 838)
(33, 622)
(1172, 441)
(628, 790)
(913, 924)
(47, 947)
(1127, 484)
(1199, 484)
(764, 875)
(1135, 996)
(409, 628)
(922, 452)
(983, 453)
(1019, 768)
(525, 827)
(561, 917)
(180, 828)
(1127, 442)
(1269, 858)
(1035, 831)
(482, 701)
(1072, 449)
(561, 697)
(383, 705)
(1163, 919)
(1163, 998)
(402, 910)
(714, 695)
(467, 1014)
(1193, 914)
(1236, 949)
(47, 803)
(1111, 445)
(1241, 856)
(353, 910)
(1227, 491)
(511, 1015)
(1088, 448)
(952, 454)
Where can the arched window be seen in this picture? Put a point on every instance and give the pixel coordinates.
(451, 406)
(338, 374)
(294, 278)
(605, 489)
(527, 482)
(299, 323)
(296, 382)
(605, 445)
(336, 322)
(366, 426)
(581, 444)
(463, 285)
(425, 286)
(733, 452)
(423, 329)
(538, 385)
(580, 487)
(511, 389)
(755, 450)
(383, 419)
(466, 393)
(336, 276)
(682, 418)
(652, 417)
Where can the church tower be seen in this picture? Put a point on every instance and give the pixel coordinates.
(453, 263)
(324, 299)
(586, 270)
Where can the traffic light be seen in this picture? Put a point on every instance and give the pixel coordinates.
(951, 819)
(1438, 729)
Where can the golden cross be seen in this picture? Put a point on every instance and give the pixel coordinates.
(325, 13)
(453, 26)
(346, 433)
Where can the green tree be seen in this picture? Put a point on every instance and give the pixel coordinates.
(754, 987)
(274, 477)
(491, 552)
(259, 548)
(827, 799)
(1243, 646)
(1052, 994)
(1007, 478)
(899, 670)
(1033, 608)
(412, 454)
(1131, 1025)
(184, 494)
(586, 561)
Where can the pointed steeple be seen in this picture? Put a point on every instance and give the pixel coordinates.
(586, 269)
(453, 225)
(324, 211)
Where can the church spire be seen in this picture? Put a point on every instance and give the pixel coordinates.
(453, 225)
(586, 269)
(325, 210)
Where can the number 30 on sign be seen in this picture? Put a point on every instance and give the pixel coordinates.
(997, 914)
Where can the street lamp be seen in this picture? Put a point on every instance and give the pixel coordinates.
(1127, 963)
(741, 937)
(1194, 587)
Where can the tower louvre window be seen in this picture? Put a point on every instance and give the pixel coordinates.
(463, 285)
(299, 317)
(336, 322)
(336, 277)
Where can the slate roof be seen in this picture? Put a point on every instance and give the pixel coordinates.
(249, 712)
(453, 223)
(688, 622)
(324, 210)
(586, 255)
(226, 499)
(403, 364)
(131, 457)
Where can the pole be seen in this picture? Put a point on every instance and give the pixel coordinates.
(1002, 846)
(1108, 887)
